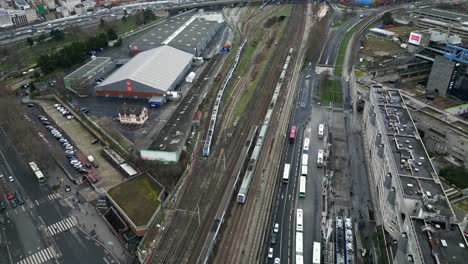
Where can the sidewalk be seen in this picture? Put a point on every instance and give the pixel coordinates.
(91, 222)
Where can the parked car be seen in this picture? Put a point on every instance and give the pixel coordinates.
(3, 205)
(57, 105)
(276, 228)
(67, 188)
(9, 196)
(69, 117)
(270, 253)
(11, 179)
(13, 203)
(30, 105)
(273, 238)
(70, 152)
(277, 261)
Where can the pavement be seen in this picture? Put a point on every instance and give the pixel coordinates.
(45, 229)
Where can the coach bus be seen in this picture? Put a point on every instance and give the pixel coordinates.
(304, 171)
(306, 146)
(299, 243)
(316, 256)
(37, 173)
(302, 187)
(320, 158)
(292, 134)
(299, 226)
(287, 168)
(320, 130)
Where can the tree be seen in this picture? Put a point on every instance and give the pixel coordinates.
(118, 43)
(30, 41)
(387, 18)
(455, 175)
(41, 37)
(57, 35)
(148, 16)
(111, 34)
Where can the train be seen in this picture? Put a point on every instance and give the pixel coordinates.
(250, 172)
(214, 113)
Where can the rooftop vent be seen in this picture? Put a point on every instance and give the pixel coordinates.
(461, 245)
(443, 242)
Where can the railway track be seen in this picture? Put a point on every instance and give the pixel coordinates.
(236, 242)
(199, 200)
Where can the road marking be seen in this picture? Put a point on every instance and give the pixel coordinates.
(23, 208)
(61, 226)
(37, 202)
(38, 257)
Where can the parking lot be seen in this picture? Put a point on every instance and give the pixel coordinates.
(83, 140)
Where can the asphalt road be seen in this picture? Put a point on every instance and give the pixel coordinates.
(25, 227)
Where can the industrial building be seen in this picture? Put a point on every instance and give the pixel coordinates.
(84, 77)
(446, 21)
(190, 33)
(408, 196)
(150, 73)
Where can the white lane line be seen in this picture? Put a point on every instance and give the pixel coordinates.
(37, 202)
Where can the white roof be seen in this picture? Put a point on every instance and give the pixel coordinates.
(382, 31)
(158, 68)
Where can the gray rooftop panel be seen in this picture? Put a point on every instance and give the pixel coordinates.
(87, 68)
(157, 68)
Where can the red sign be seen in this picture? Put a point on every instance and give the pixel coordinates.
(415, 37)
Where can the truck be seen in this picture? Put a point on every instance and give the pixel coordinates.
(92, 161)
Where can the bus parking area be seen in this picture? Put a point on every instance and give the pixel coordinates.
(102, 172)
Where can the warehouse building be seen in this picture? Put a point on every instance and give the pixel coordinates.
(85, 76)
(150, 73)
(188, 33)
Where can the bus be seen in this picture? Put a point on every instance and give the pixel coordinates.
(320, 130)
(306, 146)
(37, 172)
(316, 253)
(302, 187)
(299, 259)
(304, 171)
(299, 243)
(299, 220)
(320, 158)
(287, 168)
(292, 134)
(305, 159)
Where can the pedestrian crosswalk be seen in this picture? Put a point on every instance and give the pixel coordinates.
(53, 196)
(39, 257)
(61, 226)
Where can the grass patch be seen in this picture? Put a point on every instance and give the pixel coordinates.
(462, 206)
(374, 46)
(342, 52)
(358, 73)
(330, 91)
(379, 240)
(138, 198)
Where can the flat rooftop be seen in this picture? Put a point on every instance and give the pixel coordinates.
(415, 170)
(155, 37)
(435, 240)
(189, 33)
(444, 14)
(89, 67)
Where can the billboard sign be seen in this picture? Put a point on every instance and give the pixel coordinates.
(415, 38)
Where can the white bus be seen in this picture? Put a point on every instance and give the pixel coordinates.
(299, 226)
(320, 130)
(305, 159)
(37, 172)
(320, 158)
(287, 168)
(304, 171)
(306, 145)
(299, 241)
(316, 253)
(302, 187)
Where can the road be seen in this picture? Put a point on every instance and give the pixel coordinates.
(45, 227)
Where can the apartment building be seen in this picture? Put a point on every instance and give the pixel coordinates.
(406, 190)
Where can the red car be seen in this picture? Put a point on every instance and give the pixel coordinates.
(10, 196)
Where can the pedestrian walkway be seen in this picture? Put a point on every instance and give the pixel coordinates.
(39, 257)
(53, 196)
(61, 226)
